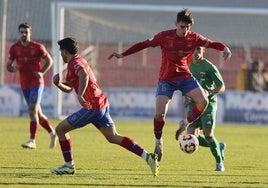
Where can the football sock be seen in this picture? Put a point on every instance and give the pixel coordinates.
(33, 129)
(144, 154)
(158, 127)
(195, 113)
(130, 145)
(46, 125)
(66, 148)
(202, 141)
(69, 164)
(215, 149)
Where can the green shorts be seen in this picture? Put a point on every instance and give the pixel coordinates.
(206, 120)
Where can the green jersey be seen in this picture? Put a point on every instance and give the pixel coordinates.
(208, 75)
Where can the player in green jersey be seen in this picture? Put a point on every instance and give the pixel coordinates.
(212, 82)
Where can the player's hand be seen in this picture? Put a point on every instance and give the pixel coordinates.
(83, 102)
(12, 68)
(117, 55)
(227, 54)
(56, 79)
(38, 74)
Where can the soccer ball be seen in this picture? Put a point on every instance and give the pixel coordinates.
(188, 143)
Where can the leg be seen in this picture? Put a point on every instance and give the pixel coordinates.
(33, 99)
(199, 97)
(214, 148)
(76, 120)
(162, 102)
(208, 125)
(32, 109)
(113, 137)
(66, 147)
(202, 140)
(65, 141)
(192, 130)
(44, 122)
(213, 143)
(201, 101)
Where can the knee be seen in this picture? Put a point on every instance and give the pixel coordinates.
(59, 130)
(203, 103)
(32, 110)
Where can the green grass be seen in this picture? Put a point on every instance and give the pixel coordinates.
(100, 164)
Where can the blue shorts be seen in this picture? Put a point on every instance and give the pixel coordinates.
(99, 118)
(33, 95)
(167, 88)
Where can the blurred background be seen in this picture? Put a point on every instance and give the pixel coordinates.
(102, 27)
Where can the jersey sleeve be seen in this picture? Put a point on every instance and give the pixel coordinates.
(11, 53)
(77, 67)
(43, 51)
(152, 42)
(203, 41)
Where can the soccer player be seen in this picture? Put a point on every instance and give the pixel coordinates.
(95, 110)
(32, 62)
(177, 46)
(212, 82)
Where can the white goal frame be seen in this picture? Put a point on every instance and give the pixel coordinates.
(57, 20)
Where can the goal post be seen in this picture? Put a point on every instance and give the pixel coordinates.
(111, 26)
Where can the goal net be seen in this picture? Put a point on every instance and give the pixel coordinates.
(103, 28)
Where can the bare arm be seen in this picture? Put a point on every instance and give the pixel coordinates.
(227, 54)
(221, 47)
(10, 66)
(131, 50)
(65, 87)
(217, 90)
(48, 63)
(83, 83)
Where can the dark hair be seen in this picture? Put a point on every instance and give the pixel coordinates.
(185, 16)
(69, 44)
(255, 65)
(25, 25)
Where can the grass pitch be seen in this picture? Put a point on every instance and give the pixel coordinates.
(100, 164)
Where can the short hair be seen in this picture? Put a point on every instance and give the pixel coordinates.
(185, 16)
(69, 44)
(256, 63)
(25, 25)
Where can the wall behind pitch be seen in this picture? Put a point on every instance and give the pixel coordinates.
(233, 106)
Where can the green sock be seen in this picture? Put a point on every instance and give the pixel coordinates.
(215, 149)
(202, 141)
